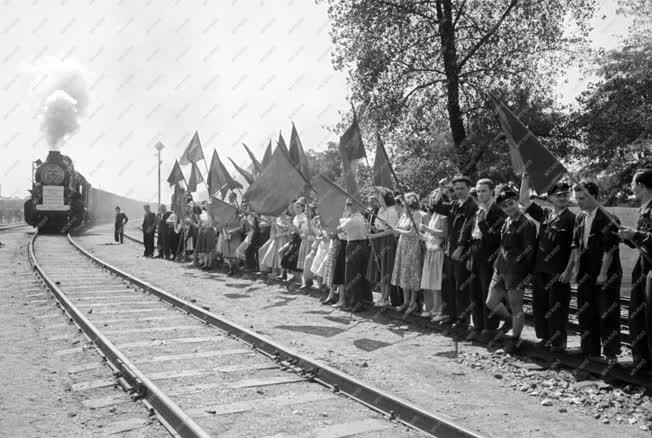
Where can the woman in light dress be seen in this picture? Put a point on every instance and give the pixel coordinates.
(278, 237)
(434, 236)
(408, 264)
(290, 251)
(230, 238)
(311, 240)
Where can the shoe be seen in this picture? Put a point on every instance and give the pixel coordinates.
(473, 335)
(303, 287)
(427, 314)
(411, 308)
(338, 305)
(507, 326)
(441, 318)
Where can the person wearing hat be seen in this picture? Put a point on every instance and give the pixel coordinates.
(553, 263)
(599, 275)
(121, 220)
(513, 266)
(461, 218)
(149, 226)
(640, 322)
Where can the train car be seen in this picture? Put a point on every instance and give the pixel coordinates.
(62, 199)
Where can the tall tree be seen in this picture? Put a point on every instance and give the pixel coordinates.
(414, 64)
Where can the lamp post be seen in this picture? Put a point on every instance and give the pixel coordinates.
(159, 147)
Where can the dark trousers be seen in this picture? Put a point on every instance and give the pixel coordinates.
(482, 273)
(358, 291)
(598, 309)
(640, 317)
(448, 289)
(119, 234)
(163, 244)
(148, 241)
(251, 257)
(463, 280)
(550, 303)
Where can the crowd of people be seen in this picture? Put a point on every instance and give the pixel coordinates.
(462, 258)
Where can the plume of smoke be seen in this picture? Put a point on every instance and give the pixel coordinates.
(64, 97)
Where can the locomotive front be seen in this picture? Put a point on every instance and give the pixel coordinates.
(58, 192)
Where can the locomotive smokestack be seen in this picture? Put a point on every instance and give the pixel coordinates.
(64, 100)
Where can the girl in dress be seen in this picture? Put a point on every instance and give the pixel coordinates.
(434, 236)
(290, 252)
(278, 237)
(230, 238)
(383, 249)
(408, 263)
(339, 263)
(357, 289)
(309, 245)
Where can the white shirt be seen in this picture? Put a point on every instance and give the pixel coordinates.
(355, 227)
(588, 221)
(387, 215)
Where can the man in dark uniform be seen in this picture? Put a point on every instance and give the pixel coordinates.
(121, 220)
(599, 275)
(485, 243)
(460, 215)
(163, 231)
(640, 300)
(149, 227)
(513, 267)
(553, 264)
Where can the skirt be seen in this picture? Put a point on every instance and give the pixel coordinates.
(381, 261)
(339, 263)
(318, 263)
(433, 269)
(201, 241)
(270, 258)
(304, 250)
(357, 288)
(329, 262)
(408, 263)
(210, 240)
(291, 255)
(226, 246)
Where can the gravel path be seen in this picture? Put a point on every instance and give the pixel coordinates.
(39, 350)
(490, 392)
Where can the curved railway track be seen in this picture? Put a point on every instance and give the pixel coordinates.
(203, 375)
(571, 361)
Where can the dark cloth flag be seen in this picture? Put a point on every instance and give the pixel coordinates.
(195, 178)
(179, 201)
(298, 155)
(221, 212)
(257, 166)
(330, 198)
(279, 183)
(282, 145)
(193, 152)
(246, 175)
(527, 152)
(176, 175)
(351, 144)
(220, 177)
(214, 181)
(268, 155)
(382, 166)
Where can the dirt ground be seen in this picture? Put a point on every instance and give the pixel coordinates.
(489, 392)
(36, 364)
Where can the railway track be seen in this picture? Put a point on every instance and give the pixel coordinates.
(4, 227)
(572, 361)
(202, 375)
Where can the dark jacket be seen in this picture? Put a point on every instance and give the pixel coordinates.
(149, 223)
(161, 226)
(460, 221)
(602, 238)
(518, 241)
(643, 237)
(555, 238)
(490, 227)
(121, 219)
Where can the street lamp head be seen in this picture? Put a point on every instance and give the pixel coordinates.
(159, 146)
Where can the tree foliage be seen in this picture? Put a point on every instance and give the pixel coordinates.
(421, 68)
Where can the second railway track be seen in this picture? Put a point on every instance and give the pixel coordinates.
(205, 376)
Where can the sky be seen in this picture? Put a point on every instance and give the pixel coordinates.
(159, 70)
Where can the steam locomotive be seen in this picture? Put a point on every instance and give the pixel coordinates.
(59, 195)
(62, 199)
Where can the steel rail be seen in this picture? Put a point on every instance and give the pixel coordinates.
(140, 385)
(9, 227)
(387, 404)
